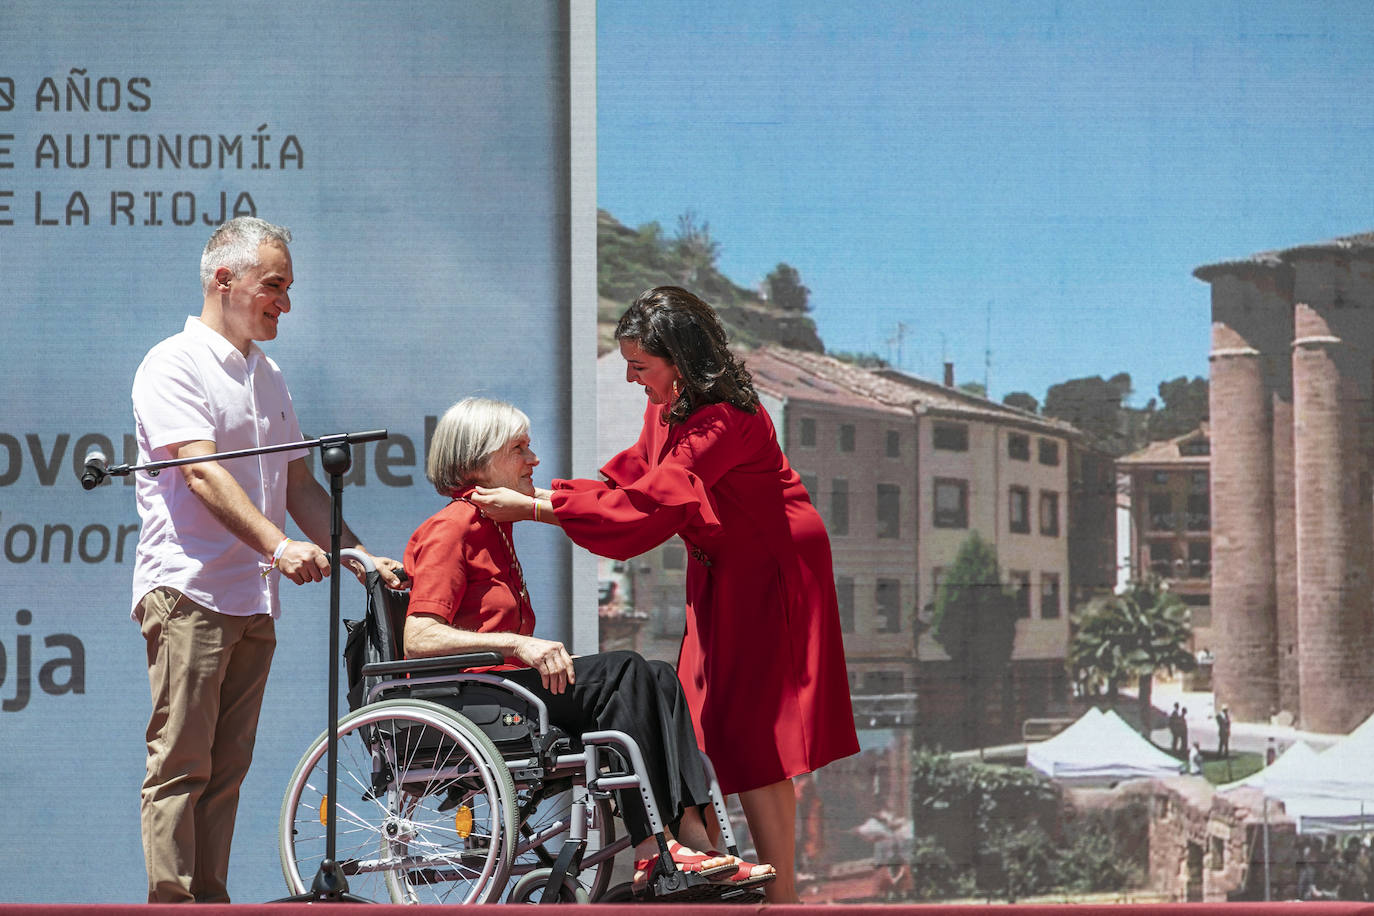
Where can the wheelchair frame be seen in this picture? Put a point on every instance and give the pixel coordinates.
(430, 810)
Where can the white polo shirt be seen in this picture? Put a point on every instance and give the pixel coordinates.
(197, 385)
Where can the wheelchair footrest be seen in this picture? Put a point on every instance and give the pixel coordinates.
(684, 886)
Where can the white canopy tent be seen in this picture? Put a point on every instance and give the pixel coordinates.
(1100, 749)
(1331, 791)
(1293, 762)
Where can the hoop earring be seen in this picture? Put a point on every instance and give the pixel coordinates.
(677, 388)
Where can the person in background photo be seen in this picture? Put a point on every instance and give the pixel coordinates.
(762, 657)
(211, 550)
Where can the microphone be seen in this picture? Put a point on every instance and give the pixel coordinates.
(97, 469)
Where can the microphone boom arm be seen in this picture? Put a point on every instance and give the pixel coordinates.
(153, 468)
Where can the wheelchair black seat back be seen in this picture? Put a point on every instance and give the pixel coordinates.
(509, 721)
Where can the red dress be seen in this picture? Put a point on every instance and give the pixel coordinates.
(762, 658)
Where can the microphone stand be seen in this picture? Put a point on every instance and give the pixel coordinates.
(329, 884)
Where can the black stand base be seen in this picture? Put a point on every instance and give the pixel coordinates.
(329, 886)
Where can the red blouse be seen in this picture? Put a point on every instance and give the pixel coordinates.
(762, 658)
(463, 572)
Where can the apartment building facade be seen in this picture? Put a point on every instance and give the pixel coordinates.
(1167, 489)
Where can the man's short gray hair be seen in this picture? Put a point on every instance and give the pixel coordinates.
(466, 437)
(235, 245)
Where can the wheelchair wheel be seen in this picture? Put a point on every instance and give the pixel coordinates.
(541, 839)
(531, 889)
(425, 808)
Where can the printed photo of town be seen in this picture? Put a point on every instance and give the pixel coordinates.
(1085, 405)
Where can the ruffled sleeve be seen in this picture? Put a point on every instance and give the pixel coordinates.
(623, 522)
(640, 505)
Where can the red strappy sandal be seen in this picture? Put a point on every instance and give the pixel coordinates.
(743, 876)
(684, 860)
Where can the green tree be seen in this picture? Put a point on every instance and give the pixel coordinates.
(976, 813)
(1022, 401)
(1144, 630)
(1094, 405)
(975, 623)
(863, 360)
(1185, 407)
(696, 251)
(785, 290)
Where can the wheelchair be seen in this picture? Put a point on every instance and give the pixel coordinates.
(454, 787)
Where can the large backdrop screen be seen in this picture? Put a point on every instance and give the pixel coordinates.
(420, 153)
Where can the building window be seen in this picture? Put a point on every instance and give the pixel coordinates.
(1049, 595)
(844, 593)
(889, 510)
(1049, 513)
(1200, 482)
(1218, 853)
(1049, 452)
(846, 437)
(1160, 478)
(1161, 507)
(887, 600)
(674, 556)
(950, 437)
(1018, 447)
(1199, 512)
(894, 444)
(1199, 559)
(1021, 585)
(1162, 558)
(839, 506)
(883, 683)
(808, 432)
(810, 482)
(951, 503)
(1018, 510)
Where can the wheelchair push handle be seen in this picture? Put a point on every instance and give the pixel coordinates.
(365, 561)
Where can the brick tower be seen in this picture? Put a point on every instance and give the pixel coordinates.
(1293, 525)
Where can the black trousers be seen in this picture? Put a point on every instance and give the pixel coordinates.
(643, 699)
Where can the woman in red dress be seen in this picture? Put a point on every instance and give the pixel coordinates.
(762, 659)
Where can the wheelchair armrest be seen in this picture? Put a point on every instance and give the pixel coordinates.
(431, 665)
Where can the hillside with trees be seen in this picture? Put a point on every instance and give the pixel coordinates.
(630, 261)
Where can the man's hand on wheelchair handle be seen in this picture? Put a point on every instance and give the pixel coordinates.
(550, 659)
(302, 562)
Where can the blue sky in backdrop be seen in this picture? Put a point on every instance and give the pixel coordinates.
(1037, 179)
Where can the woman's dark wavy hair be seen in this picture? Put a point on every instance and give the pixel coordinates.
(671, 323)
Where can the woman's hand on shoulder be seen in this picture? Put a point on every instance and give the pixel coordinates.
(550, 659)
(503, 504)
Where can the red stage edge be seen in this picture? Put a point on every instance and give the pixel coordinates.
(1323, 908)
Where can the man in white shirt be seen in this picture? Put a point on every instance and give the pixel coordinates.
(211, 550)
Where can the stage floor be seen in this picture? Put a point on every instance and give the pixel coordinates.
(336, 909)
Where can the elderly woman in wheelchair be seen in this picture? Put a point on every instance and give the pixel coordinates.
(420, 763)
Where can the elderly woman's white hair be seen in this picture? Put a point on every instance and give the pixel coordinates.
(235, 245)
(466, 437)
